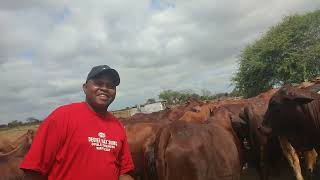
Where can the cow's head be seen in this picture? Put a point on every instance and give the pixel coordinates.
(284, 114)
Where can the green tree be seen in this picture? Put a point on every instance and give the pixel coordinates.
(177, 97)
(205, 94)
(169, 95)
(150, 101)
(32, 120)
(15, 123)
(288, 52)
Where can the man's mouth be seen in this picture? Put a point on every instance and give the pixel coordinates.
(103, 97)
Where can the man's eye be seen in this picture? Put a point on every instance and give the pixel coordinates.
(98, 83)
(103, 84)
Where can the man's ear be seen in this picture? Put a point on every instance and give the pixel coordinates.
(84, 88)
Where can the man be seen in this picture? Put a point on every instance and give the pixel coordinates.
(82, 140)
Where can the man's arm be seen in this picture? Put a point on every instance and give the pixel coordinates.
(45, 145)
(33, 175)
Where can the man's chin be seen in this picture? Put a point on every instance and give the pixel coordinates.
(104, 103)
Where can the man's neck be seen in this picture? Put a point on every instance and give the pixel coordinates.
(100, 112)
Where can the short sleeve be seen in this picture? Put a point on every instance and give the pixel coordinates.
(46, 144)
(126, 163)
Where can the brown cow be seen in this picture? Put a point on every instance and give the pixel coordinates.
(291, 153)
(9, 162)
(141, 130)
(202, 114)
(191, 151)
(262, 152)
(266, 151)
(294, 114)
(176, 112)
(7, 145)
(140, 137)
(313, 86)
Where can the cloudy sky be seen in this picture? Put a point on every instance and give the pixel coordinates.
(47, 47)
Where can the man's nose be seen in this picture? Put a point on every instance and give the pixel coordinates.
(104, 86)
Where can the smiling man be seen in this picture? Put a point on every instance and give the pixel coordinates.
(82, 140)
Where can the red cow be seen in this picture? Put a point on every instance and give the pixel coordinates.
(192, 151)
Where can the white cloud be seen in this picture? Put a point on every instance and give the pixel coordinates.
(48, 47)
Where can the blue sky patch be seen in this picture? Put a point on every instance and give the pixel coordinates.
(161, 5)
(28, 54)
(62, 15)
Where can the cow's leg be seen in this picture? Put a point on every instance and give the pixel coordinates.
(317, 167)
(310, 159)
(264, 174)
(291, 156)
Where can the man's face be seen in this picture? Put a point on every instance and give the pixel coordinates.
(100, 92)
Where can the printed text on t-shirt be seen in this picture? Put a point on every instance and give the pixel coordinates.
(102, 144)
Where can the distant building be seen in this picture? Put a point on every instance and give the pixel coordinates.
(143, 108)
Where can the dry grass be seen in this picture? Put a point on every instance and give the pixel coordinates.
(14, 133)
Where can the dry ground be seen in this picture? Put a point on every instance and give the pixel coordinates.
(14, 133)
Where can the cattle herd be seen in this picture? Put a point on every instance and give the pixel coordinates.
(217, 140)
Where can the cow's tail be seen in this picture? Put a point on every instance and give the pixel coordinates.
(161, 143)
(149, 159)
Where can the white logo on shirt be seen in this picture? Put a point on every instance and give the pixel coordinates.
(101, 135)
(102, 144)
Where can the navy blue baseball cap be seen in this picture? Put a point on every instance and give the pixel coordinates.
(97, 70)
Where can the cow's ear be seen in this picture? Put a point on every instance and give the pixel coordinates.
(299, 98)
(303, 99)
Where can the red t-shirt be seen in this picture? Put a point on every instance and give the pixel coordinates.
(74, 142)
